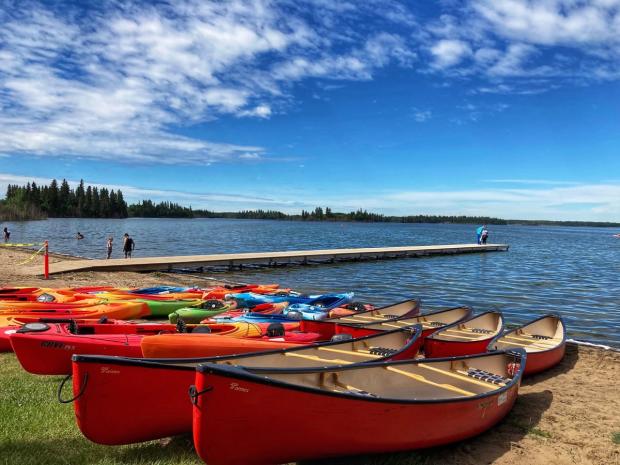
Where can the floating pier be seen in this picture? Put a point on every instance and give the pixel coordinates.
(266, 259)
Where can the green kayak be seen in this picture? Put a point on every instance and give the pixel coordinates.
(163, 308)
(197, 313)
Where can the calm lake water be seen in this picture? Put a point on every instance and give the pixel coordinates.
(573, 271)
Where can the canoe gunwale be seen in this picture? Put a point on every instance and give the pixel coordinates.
(511, 331)
(254, 375)
(173, 362)
(414, 300)
(419, 315)
(436, 336)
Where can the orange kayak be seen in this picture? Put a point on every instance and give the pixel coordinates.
(234, 342)
(112, 310)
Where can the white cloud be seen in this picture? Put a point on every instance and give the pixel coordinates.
(422, 115)
(448, 53)
(114, 82)
(512, 43)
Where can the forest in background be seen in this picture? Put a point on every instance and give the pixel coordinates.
(34, 202)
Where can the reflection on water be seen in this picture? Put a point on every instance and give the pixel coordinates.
(574, 271)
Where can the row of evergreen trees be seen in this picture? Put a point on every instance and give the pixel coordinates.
(63, 201)
(38, 202)
(148, 209)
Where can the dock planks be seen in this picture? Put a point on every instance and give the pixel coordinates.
(299, 257)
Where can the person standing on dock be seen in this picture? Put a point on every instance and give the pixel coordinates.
(128, 245)
(484, 236)
(479, 234)
(109, 247)
(7, 234)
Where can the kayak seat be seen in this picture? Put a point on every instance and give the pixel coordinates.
(382, 351)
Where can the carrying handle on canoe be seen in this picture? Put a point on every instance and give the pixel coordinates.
(194, 393)
(77, 396)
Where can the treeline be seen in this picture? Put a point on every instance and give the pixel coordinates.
(39, 202)
(148, 209)
(61, 201)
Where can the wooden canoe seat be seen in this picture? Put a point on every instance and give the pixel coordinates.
(457, 374)
(318, 359)
(422, 379)
(349, 352)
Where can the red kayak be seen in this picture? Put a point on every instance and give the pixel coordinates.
(544, 340)
(348, 410)
(108, 389)
(6, 331)
(46, 348)
(470, 336)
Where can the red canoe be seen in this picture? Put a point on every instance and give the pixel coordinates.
(471, 336)
(46, 348)
(346, 410)
(544, 340)
(107, 389)
(406, 308)
(430, 322)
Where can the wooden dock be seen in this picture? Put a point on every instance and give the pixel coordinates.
(267, 259)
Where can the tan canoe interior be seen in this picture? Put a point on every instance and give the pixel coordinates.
(485, 326)
(427, 321)
(541, 335)
(341, 354)
(427, 379)
(378, 314)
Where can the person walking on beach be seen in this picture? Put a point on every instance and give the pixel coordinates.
(479, 234)
(109, 247)
(128, 245)
(7, 234)
(484, 236)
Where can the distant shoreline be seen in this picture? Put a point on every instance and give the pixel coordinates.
(394, 219)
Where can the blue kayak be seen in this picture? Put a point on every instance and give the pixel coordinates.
(325, 301)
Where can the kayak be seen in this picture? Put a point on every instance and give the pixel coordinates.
(209, 345)
(201, 311)
(112, 310)
(6, 331)
(46, 348)
(544, 340)
(112, 392)
(221, 292)
(163, 308)
(327, 301)
(470, 336)
(348, 410)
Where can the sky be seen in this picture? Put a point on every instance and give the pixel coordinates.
(505, 108)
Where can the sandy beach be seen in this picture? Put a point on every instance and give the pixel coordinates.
(568, 415)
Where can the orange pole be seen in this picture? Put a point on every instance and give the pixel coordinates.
(46, 261)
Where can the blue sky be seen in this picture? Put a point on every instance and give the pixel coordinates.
(506, 108)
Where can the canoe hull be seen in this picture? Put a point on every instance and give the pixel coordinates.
(112, 394)
(364, 426)
(538, 362)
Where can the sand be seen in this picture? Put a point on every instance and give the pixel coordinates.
(567, 415)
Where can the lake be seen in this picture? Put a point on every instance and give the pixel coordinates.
(570, 270)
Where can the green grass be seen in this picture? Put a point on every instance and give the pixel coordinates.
(615, 437)
(36, 429)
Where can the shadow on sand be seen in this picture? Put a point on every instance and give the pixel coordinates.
(568, 362)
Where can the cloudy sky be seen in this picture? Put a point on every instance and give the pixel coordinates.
(506, 108)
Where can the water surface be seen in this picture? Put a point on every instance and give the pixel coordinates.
(573, 271)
